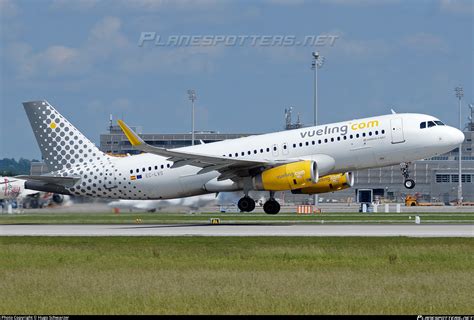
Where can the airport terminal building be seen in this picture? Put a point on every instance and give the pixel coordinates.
(436, 178)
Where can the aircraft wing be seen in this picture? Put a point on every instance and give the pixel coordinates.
(226, 166)
(61, 181)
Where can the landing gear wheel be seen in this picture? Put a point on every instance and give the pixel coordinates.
(271, 207)
(246, 204)
(409, 183)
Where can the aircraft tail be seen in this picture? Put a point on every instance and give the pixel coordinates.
(61, 144)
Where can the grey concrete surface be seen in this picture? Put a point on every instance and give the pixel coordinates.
(458, 230)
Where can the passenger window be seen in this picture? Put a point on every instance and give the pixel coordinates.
(162, 166)
(363, 134)
(301, 144)
(138, 170)
(236, 154)
(261, 150)
(243, 153)
(345, 137)
(319, 141)
(249, 153)
(307, 143)
(156, 167)
(168, 165)
(255, 151)
(268, 149)
(351, 136)
(431, 124)
(325, 140)
(370, 133)
(332, 139)
(230, 155)
(383, 131)
(131, 171)
(143, 169)
(376, 133)
(338, 138)
(294, 145)
(284, 146)
(274, 148)
(423, 125)
(357, 135)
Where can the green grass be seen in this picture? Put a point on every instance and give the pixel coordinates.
(220, 275)
(108, 218)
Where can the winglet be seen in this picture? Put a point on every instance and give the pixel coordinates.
(134, 139)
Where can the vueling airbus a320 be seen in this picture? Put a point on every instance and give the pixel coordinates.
(308, 160)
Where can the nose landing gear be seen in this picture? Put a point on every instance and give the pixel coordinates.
(408, 183)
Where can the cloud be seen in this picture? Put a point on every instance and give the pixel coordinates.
(80, 5)
(8, 8)
(359, 2)
(457, 6)
(425, 42)
(104, 40)
(172, 4)
(107, 47)
(285, 2)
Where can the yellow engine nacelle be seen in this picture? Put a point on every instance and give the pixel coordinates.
(290, 176)
(329, 183)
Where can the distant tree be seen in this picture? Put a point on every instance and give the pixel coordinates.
(11, 167)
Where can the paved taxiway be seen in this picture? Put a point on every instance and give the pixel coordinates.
(458, 230)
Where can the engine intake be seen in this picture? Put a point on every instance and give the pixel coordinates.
(290, 176)
(329, 183)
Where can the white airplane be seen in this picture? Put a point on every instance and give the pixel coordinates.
(192, 203)
(308, 160)
(14, 188)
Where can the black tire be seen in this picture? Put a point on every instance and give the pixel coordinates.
(246, 204)
(271, 207)
(409, 183)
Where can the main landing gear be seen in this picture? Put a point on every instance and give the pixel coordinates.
(408, 183)
(271, 206)
(247, 204)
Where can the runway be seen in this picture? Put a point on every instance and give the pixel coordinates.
(458, 230)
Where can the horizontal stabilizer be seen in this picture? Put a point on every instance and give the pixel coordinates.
(61, 181)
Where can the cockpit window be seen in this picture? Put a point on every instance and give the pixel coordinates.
(431, 124)
(439, 123)
(422, 125)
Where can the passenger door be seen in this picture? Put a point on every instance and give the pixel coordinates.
(396, 126)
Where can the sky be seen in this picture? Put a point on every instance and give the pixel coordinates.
(84, 57)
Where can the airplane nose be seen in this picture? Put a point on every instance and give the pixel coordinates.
(458, 136)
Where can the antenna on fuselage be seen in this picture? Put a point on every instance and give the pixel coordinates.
(393, 111)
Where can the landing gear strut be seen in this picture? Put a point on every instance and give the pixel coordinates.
(246, 204)
(408, 183)
(271, 206)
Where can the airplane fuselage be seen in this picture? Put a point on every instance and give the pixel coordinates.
(339, 147)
